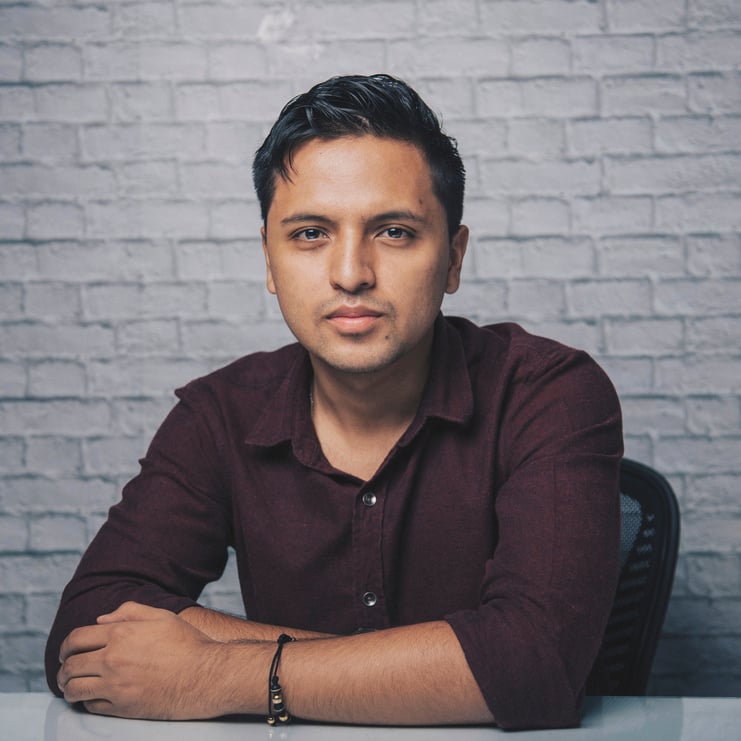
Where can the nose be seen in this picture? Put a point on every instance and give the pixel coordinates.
(352, 264)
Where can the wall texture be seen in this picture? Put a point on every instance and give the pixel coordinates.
(603, 145)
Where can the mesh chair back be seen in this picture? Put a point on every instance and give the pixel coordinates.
(648, 556)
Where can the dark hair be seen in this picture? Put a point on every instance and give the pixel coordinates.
(355, 105)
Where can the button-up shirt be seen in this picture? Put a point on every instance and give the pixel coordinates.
(496, 510)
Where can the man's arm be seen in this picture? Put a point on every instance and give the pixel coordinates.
(145, 662)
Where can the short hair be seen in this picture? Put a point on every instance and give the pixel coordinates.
(357, 105)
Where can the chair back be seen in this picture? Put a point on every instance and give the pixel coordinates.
(648, 555)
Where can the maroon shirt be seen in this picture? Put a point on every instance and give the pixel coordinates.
(497, 510)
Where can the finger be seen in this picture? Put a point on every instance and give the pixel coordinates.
(99, 707)
(129, 611)
(77, 666)
(81, 640)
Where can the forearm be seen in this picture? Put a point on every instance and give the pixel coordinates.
(223, 627)
(414, 675)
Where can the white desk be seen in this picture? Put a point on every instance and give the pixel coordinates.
(40, 717)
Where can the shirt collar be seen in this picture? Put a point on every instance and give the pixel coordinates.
(447, 396)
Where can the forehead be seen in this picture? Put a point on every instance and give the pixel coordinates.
(355, 169)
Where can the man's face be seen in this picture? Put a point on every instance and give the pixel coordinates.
(358, 253)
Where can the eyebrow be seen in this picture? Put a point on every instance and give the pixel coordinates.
(401, 215)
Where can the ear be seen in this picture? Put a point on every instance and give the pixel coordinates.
(269, 271)
(458, 245)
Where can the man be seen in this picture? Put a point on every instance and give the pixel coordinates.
(427, 507)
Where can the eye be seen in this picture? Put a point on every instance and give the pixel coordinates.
(396, 232)
(310, 234)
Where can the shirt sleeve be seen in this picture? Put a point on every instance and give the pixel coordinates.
(549, 585)
(166, 538)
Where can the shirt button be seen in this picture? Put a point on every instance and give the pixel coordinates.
(369, 499)
(369, 599)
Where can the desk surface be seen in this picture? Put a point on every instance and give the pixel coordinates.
(38, 716)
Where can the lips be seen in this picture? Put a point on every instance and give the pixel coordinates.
(353, 319)
(352, 312)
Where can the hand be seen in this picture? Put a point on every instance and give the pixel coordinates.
(141, 662)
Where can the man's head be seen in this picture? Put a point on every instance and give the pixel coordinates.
(378, 105)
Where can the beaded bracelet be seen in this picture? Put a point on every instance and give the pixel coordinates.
(277, 712)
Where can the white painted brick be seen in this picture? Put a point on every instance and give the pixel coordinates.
(143, 19)
(235, 301)
(644, 337)
(250, 101)
(16, 103)
(638, 448)
(106, 261)
(306, 63)
(612, 215)
(710, 333)
(716, 616)
(55, 221)
(13, 533)
(630, 375)
(655, 415)
(117, 455)
(698, 51)
(68, 417)
(139, 416)
(536, 137)
(22, 650)
(54, 533)
(443, 18)
(11, 62)
(208, 20)
(12, 221)
(548, 16)
(713, 416)
(540, 56)
(689, 134)
(156, 300)
(694, 212)
(234, 219)
(12, 453)
(487, 217)
(46, 572)
(143, 376)
(714, 93)
(636, 257)
(212, 180)
(49, 141)
(11, 610)
(39, 22)
(148, 337)
(54, 457)
(697, 374)
(65, 102)
(637, 95)
(555, 177)
(134, 142)
(11, 301)
(610, 54)
(451, 99)
(714, 13)
(144, 101)
(56, 379)
(215, 339)
(13, 380)
(426, 57)
(595, 136)
(52, 301)
(713, 491)
(698, 297)
(539, 257)
(40, 610)
(535, 299)
(38, 340)
(637, 15)
(52, 62)
(701, 528)
(609, 298)
(583, 335)
(10, 142)
(17, 260)
(370, 19)
(672, 174)
(714, 255)
(149, 218)
(61, 181)
(149, 60)
(545, 96)
(233, 142)
(213, 261)
(236, 61)
(535, 216)
(483, 302)
(153, 178)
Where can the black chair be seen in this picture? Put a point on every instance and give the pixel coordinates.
(648, 555)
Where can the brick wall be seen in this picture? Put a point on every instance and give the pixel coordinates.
(603, 145)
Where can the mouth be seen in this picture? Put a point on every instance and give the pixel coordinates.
(354, 319)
